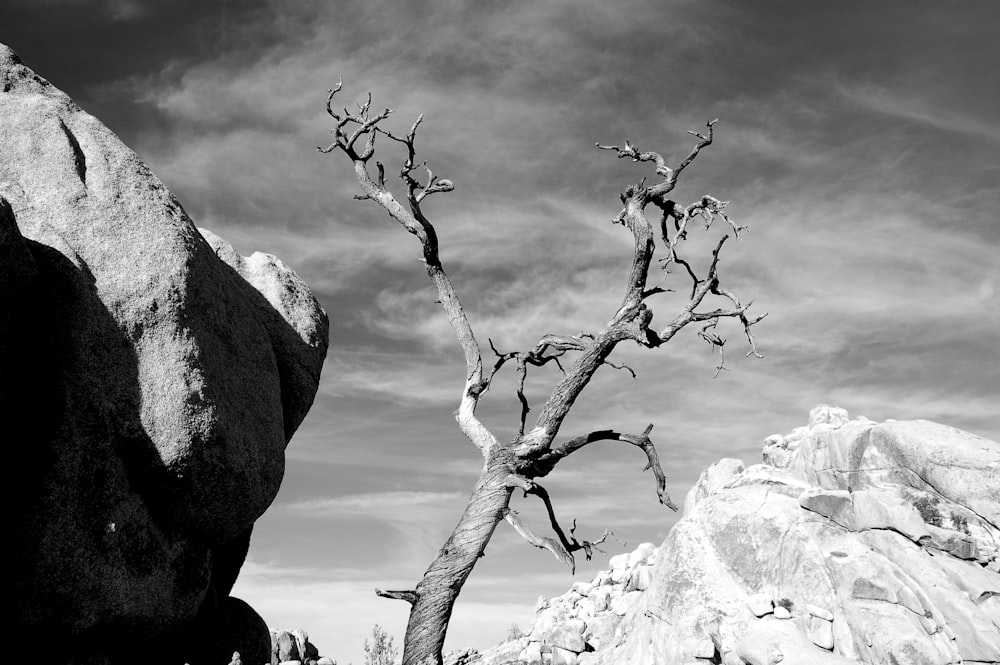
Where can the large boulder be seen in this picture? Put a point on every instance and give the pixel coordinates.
(873, 543)
(855, 542)
(150, 380)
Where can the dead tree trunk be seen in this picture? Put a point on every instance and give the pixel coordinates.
(436, 593)
(518, 463)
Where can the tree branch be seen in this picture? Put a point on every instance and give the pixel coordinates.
(408, 595)
(562, 548)
(416, 223)
(541, 542)
(544, 463)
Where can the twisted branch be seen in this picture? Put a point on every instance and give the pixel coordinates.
(414, 221)
(562, 548)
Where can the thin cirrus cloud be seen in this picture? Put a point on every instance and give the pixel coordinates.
(909, 107)
(418, 518)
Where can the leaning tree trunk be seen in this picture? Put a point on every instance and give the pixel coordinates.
(436, 593)
(533, 454)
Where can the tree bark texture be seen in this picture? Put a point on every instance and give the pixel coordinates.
(437, 591)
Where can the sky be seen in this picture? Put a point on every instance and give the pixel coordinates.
(860, 141)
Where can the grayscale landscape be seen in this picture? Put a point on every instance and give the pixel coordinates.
(302, 304)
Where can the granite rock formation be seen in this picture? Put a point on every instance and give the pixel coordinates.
(853, 542)
(293, 647)
(150, 379)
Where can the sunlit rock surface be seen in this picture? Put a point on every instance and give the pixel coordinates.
(854, 542)
(151, 379)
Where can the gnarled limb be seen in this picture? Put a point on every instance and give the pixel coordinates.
(562, 548)
(558, 550)
(557, 346)
(409, 596)
(414, 221)
(542, 464)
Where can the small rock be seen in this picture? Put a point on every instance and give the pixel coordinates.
(566, 637)
(760, 604)
(701, 648)
(781, 612)
(828, 415)
(819, 612)
(619, 562)
(821, 632)
(531, 654)
(586, 608)
(641, 579)
(601, 599)
(732, 658)
(602, 578)
(621, 605)
(563, 657)
(640, 554)
(582, 588)
(326, 660)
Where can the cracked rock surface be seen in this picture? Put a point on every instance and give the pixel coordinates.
(853, 542)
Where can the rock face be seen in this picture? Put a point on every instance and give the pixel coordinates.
(855, 542)
(572, 628)
(150, 379)
(293, 646)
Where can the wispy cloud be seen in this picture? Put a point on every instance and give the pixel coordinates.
(421, 520)
(908, 106)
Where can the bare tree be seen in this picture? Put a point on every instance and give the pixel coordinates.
(381, 650)
(534, 453)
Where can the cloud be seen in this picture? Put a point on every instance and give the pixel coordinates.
(907, 106)
(421, 520)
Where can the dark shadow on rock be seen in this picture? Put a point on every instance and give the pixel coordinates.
(98, 559)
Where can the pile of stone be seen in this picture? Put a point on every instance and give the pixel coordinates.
(853, 542)
(569, 629)
(292, 647)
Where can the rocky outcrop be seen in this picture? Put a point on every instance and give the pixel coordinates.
(293, 647)
(854, 542)
(151, 379)
(571, 628)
